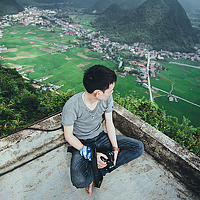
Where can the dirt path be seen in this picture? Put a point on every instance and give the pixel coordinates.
(20, 57)
(83, 56)
(67, 58)
(83, 64)
(172, 88)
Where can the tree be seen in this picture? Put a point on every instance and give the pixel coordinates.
(21, 104)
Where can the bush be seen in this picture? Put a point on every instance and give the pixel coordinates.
(186, 135)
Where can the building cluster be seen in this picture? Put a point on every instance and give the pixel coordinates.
(172, 97)
(30, 16)
(37, 83)
(143, 71)
(1, 33)
(3, 48)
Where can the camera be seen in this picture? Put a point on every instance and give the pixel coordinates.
(110, 166)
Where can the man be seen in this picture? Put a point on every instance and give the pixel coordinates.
(81, 119)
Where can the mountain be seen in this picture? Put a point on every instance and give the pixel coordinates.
(184, 24)
(99, 6)
(109, 17)
(8, 7)
(102, 5)
(160, 23)
(129, 4)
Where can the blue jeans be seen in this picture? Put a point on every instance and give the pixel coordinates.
(81, 169)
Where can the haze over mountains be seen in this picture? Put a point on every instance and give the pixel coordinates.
(109, 17)
(101, 5)
(190, 5)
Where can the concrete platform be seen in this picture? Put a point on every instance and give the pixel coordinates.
(48, 177)
(34, 165)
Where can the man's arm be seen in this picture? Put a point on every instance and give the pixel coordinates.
(73, 140)
(111, 133)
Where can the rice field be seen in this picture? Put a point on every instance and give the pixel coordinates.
(33, 49)
(186, 85)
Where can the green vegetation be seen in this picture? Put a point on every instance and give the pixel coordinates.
(22, 104)
(128, 85)
(185, 81)
(108, 17)
(33, 48)
(183, 133)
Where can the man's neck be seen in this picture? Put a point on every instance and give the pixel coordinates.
(90, 100)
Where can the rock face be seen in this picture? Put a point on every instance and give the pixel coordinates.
(8, 7)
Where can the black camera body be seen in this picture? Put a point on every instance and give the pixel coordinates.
(110, 166)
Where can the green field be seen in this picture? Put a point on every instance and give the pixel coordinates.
(66, 67)
(186, 84)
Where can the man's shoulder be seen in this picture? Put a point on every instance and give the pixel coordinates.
(74, 99)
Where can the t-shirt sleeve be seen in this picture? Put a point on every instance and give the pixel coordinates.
(110, 104)
(68, 114)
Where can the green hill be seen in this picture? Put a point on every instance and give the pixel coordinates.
(160, 23)
(99, 6)
(8, 7)
(129, 4)
(109, 17)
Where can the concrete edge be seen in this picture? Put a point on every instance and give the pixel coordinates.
(181, 162)
(24, 146)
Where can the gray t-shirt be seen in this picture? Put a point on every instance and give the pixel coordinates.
(76, 113)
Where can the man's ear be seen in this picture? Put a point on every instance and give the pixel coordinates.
(97, 93)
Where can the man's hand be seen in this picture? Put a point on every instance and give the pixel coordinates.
(115, 157)
(100, 163)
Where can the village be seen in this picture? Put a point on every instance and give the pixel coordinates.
(33, 16)
(95, 41)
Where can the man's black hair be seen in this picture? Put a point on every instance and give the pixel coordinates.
(98, 77)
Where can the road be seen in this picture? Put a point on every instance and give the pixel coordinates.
(179, 97)
(197, 67)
